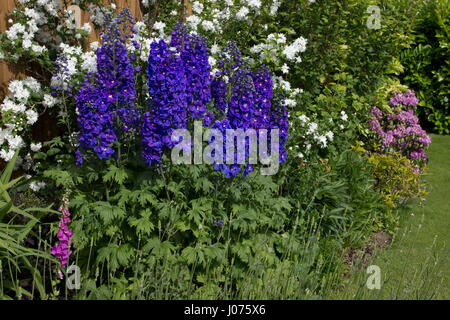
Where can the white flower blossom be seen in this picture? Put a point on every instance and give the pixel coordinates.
(212, 61)
(94, 45)
(312, 128)
(215, 49)
(308, 147)
(159, 26)
(49, 101)
(37, 185)
(254, 4)
(32, 84)
(87, 27)
(303, 118)
(32, 116)
(290, 102)
(299, 45)
(9, 105)
(13, 32)
(208, 25)
(89, 63)
(242, 13)
(15, 142)
(329, 135)
(296, 92)
(322, 140)
(6, 155)
(38, 49)
(197, 7)
(193, 21)
(18, 91)
(26, 44)
(274, 7)
(36, 147)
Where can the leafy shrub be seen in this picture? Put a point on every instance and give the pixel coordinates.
(343, 50)
(427, 64)
(136, 220)
(396, 178)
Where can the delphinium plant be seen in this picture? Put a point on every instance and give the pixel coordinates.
(123, 136)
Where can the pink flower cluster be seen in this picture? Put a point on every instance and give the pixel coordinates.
(62, 249)
(400, 131)
(407, 99)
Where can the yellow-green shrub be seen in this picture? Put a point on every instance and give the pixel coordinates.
(396, 178)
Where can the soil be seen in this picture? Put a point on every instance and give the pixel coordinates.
(360, 257)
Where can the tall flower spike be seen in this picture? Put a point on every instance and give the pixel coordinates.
(168, 104)
(252, 104)
(219, 94)
(262, 80)
(62, 249)
(105, 101)
(194, 54)
(279, 120)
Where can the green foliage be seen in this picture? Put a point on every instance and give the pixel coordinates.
(17, 260)
(427, 64)
(342, 50)
(396, 179)
(346, 62)
(133, 225)
(340, 193)
(135, 212)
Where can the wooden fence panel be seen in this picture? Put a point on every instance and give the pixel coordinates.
(7, 72)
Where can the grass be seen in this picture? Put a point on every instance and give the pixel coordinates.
(417, 265)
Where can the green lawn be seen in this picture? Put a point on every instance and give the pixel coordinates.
(417, 265)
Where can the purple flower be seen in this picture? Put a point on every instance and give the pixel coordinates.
(279, 120)
(105, 100)
(62, 249)
(194, 54)
(408, 99)
(400, 130)
(219, 94)
(168, 103)
(252, 105)
(218, 223)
